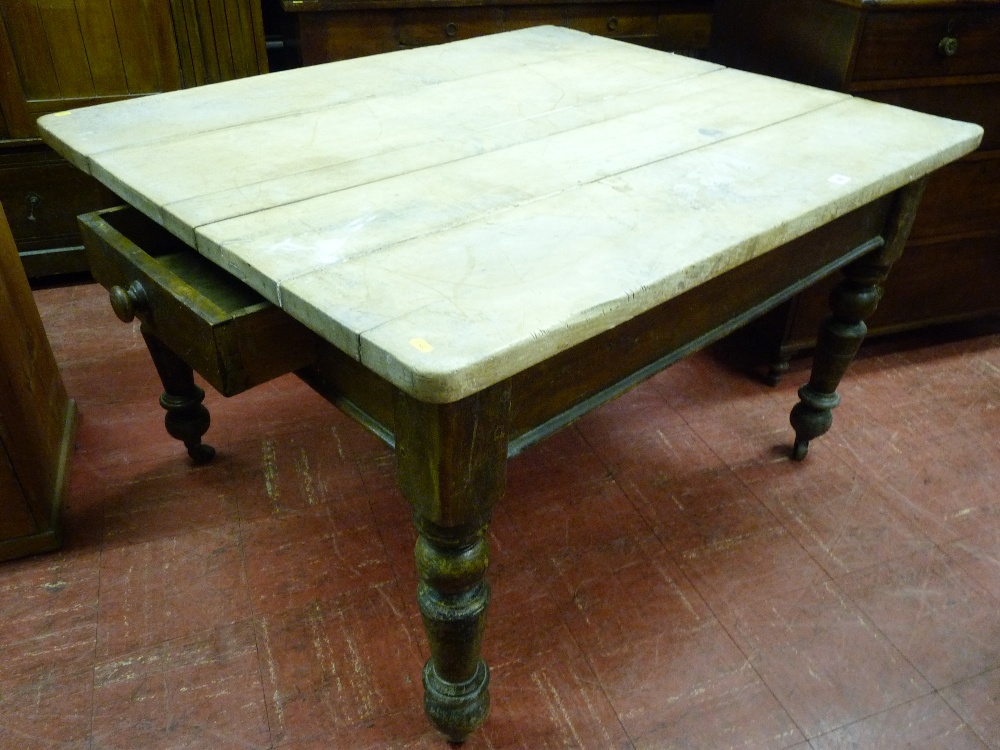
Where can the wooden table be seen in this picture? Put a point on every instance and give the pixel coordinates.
(492, 237)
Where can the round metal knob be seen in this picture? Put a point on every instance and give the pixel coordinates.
(948, 46)
(612, 24)
(451, 29)
(127, 302)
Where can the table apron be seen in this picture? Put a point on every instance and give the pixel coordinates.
(552, 394)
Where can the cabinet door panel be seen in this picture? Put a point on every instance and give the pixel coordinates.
(78, 52)
(97, 26)
(218, 39)
(148, 50)
(67, 49)
(32, 56)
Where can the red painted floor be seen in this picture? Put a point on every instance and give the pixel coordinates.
(663, 576)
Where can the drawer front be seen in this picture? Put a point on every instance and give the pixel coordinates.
(419, 28)
(224, 330)
(922, 44)
(620, 21)
(962, 198)
(426, 26)
(325, 36)
(979, 103)
(43, 194)
(342, 34)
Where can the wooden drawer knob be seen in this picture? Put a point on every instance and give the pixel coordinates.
(948, 46)
(127, 302)
(612, 24)
(450, 30)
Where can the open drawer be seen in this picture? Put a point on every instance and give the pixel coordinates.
(220, 327)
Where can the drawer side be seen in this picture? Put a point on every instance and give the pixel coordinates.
(220, 327)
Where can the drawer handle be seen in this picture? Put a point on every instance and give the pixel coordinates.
(612, 24)
(34, 200)
(450, 30)
(948, 46)
(127, 302)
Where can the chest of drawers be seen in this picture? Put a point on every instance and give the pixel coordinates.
(936, 56)
(329, 30)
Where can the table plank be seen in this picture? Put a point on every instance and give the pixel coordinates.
(271, 246)
(206, 177)
(177, 114)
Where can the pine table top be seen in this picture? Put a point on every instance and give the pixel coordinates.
(452, 215)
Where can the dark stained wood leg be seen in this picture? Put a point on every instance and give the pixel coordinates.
(776, 370)
(452, 461)
(187, 419)
(841, 334)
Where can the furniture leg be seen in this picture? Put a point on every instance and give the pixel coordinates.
(841, 334)
(776, 370)
(187, 419)
(452, 468)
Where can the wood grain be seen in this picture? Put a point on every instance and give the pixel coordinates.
(36, 419)
(104, 54)
(35, 65)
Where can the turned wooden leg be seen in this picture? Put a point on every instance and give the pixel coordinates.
(187, 419)
(841, 334)
(452, 468)
(776, 370)
(453, 596)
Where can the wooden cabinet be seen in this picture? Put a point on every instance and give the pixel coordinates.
(57, 56)
(37, 419)
(937, 56)
(339, 29)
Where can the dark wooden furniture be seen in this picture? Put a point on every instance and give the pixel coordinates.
(936, 56)
(327, 30)
(37, 419)
(56, 56)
